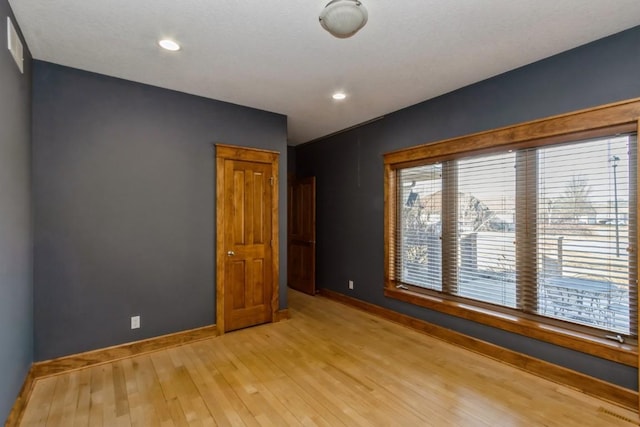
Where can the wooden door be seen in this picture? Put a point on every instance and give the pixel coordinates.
(247, 237)
(302, 235)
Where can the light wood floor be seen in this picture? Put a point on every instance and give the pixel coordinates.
(328, 365)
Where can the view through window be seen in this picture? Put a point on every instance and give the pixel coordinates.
(583, 223)
(544, 230)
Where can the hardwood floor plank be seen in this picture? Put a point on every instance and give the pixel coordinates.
(206, 377)
(109, 417)
(120, 389)
(264, 372)
(291, 396)
(61, 396)
(154, 395)
(83, 406)
(258, 400)
(177, 414)
(40, 404)
(96, 396)
(328, 365)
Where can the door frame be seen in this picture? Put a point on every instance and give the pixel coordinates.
(230, 152)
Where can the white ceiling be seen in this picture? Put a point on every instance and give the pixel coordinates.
(274, 55)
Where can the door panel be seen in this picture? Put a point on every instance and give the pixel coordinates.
(249, 301)
(236, 280)
(302, 235)
(246, 256)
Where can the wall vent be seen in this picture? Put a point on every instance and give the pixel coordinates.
(15, 45)
(616, 415)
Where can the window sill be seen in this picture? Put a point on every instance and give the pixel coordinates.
(625, 354)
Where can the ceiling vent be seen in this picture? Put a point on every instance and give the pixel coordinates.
(15, 45)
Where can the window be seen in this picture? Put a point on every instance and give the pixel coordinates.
(583, 233)
(535, 222)
(421, 252)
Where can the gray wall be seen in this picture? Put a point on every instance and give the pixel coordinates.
(123, 177)
(16, 288)
(349, 171)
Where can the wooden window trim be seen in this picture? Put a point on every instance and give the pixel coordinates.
(600, 121)
(551, 332)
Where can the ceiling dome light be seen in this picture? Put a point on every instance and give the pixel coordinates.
(338, 96)
(169, 45)
(343, 18)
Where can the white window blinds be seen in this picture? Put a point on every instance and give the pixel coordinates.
(548, 231)
(486, 229)
(420, 216)
(585, 225)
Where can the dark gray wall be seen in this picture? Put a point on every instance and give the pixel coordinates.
(124, 206)
(291, 160)
(349, 171)
(16, 288)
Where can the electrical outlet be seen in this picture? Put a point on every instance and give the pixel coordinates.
(135, 322)
(350, 284)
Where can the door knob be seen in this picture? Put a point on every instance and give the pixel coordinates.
(230, 253)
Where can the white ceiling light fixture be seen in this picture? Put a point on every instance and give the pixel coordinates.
(343, 18)
(339, 96)
(169, 45)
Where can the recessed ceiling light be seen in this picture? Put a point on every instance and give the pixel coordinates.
(169, 45)
(339, 96)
